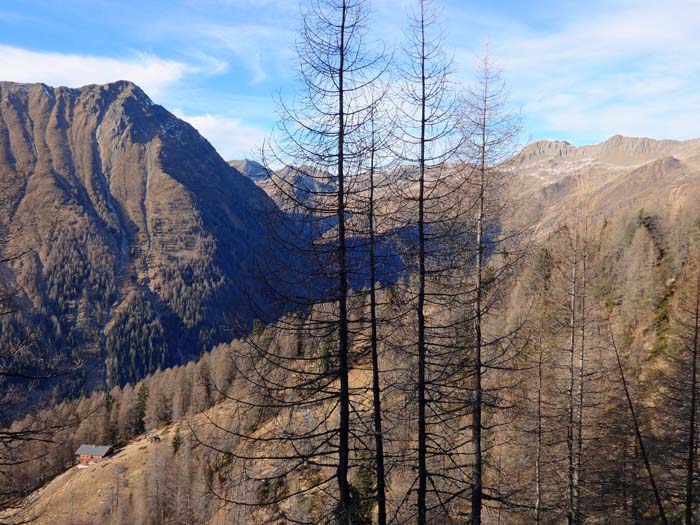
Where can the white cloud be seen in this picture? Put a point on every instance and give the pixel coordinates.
(647, 30)
(287, 5)
(10, 16)
(150, 72)
(619, 66)
(659, 119)
(232, 138)
(263, 49)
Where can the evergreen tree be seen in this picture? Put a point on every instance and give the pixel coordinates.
(141, 404)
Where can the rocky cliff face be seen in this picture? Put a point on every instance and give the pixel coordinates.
(141, 240)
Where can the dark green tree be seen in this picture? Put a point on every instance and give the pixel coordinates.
(141, 401)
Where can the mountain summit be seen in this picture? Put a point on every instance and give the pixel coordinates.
(140, 238)
(617, 150)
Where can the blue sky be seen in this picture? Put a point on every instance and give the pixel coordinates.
(580, 71)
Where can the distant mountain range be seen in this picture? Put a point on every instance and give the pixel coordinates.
(620, 176)
(145, 246)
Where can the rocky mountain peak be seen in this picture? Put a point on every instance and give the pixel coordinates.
(141, 236)
(250, 168)
(545, 149)
(617, 150)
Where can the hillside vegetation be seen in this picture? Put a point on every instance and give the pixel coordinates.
(639, 289)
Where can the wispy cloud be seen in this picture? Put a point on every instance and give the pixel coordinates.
(286, 5)
(263, 49)
(610, 32)
(232, 138)
(152, 73)
(580, 71)
(621, 66)
(11, 16)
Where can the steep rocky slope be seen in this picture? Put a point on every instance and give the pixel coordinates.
(142, 242)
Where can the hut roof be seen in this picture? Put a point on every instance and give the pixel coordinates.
(92, 450)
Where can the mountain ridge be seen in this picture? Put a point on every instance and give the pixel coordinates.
(128, 212)
(616, 149)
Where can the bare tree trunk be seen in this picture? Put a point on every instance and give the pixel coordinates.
(422, 466)
(637, 432)
(538, 451)
(477, 469)
(572, 515)
(581, 371)
(321, 142)
(344, 395)
(491, 132)
(429, 127)
(376, 387)
(690, 467)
